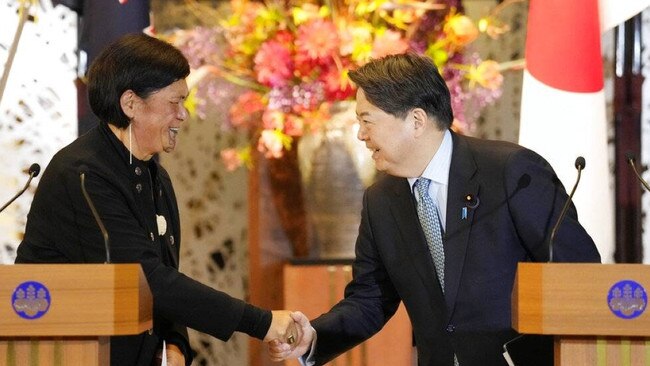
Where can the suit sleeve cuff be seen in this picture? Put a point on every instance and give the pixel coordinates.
(255, 321)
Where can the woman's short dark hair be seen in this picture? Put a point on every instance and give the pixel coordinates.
(137, 62)
(397, 84)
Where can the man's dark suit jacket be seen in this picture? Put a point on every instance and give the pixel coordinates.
(61, 229)
(519, 200)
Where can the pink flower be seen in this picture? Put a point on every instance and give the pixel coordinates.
(389, 43)
(273, 63)
(317, 40)
(231, 160)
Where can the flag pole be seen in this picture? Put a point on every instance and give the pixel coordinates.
(23, 15)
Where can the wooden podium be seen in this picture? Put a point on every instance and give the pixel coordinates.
(63, 314)
(597, 312)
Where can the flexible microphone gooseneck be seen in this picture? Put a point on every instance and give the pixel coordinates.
(580, 164)
(34, 169)
(82, 177)
(630, 159)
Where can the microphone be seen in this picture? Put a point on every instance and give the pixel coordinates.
(34, 169)
(83, 169)
(580, 164)
(630, 159)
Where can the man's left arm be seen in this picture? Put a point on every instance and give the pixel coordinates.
(536, 208)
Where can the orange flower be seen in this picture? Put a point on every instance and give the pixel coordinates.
(487, 74)
(460, 30)
(293, 126)
(245, 112)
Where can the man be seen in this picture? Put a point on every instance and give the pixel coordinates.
(444, 230)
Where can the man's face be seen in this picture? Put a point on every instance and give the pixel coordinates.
(390, 139)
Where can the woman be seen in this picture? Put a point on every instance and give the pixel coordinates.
(136, 87)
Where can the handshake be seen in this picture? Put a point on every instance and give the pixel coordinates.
(290, 335)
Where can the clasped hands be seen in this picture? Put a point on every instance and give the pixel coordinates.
(290, 335)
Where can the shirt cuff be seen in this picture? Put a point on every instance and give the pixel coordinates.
(180, 342)
(308, 358)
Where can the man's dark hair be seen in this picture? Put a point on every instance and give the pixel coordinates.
(137, 62)
(397, 84)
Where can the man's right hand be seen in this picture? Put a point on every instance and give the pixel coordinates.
(280, 351)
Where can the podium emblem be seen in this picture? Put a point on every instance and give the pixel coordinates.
(627, 299)
(31, 300)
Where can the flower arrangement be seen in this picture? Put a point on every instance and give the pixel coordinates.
(289, 63)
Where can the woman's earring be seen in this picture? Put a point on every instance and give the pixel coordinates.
(130, 153)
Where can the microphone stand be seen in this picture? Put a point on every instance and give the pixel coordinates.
(580, 164)
(630, 160)
(33, 172)
(82, 176)
(23, 11)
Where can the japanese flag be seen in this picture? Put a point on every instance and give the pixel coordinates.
(563, 102)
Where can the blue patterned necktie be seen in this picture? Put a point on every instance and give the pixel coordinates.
(430, 222)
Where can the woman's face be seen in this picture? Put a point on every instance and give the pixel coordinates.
(157, 118)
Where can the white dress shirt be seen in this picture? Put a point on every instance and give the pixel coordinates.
(438, 172)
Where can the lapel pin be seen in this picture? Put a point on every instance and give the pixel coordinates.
(471, 201)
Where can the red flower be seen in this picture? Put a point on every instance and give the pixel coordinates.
(337, 84)
(246, 111)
